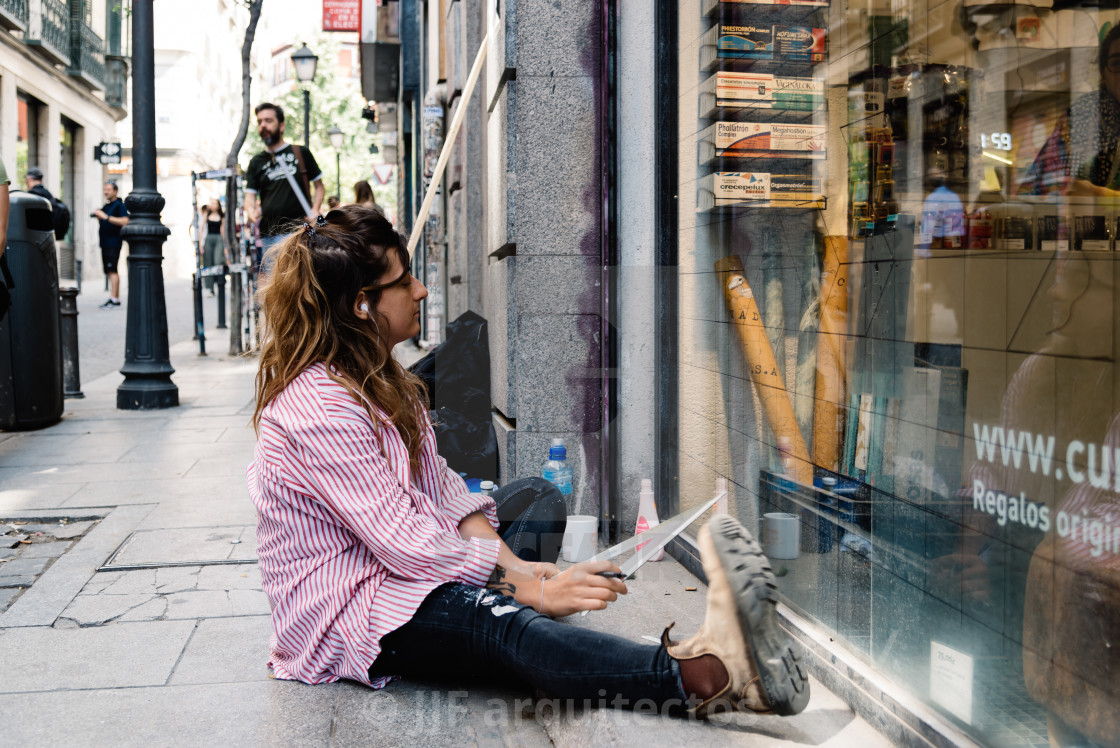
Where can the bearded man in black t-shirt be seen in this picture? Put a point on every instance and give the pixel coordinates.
(271, 176)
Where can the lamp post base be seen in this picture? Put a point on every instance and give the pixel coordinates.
(147, 394)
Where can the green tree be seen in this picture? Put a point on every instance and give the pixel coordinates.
(335, 101)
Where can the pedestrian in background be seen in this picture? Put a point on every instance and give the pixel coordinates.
(33, 181)
(363, 194)
(60, 212)
(5, 274)
(213, 243)
(278, 182)
(111, 219)
(333, 202)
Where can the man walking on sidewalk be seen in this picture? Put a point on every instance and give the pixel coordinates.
(112, 218)
(278, 181)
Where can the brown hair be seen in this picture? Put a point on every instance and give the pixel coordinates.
(308, 302)
(363, 193)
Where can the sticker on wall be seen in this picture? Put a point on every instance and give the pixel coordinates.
(950, 680)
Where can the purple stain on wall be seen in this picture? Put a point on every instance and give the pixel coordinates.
(586, 387)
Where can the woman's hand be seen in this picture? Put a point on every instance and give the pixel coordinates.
(540, 569)
(580, 588)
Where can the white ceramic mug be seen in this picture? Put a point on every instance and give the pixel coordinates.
(580, 538)
(781, 535)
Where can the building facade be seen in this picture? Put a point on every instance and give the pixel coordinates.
(60, 98)
(856, 262)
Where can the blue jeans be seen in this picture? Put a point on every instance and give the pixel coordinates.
(460, 632)
(267, 257)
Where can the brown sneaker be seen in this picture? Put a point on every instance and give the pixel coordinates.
(764, 665)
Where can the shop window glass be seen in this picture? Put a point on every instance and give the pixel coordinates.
(897, 307)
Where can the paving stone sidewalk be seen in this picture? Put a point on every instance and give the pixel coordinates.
(152, 629)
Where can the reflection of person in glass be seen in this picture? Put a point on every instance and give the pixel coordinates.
(1071, 604)
(1094, 133)
(1081, 156)
(942, 214)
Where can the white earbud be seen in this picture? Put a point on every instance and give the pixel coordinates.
(364, 308)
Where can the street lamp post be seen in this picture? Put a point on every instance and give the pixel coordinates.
(304, 61)
(336, 136)
(147, 365)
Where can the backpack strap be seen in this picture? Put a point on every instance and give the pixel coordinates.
(302, 171)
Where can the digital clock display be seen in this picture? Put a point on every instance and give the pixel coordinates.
(998, 140)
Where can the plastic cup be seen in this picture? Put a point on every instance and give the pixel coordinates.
(580, 538)
(781, 535)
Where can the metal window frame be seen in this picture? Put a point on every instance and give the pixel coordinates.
(666, 439)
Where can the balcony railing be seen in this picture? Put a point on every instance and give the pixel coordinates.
(48, 30)
(13, 14)
(87, 54)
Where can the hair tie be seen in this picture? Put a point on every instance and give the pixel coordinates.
(321, 220)
(310, 228)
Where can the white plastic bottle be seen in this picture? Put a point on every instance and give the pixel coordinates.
(556, 469)
(647, 515)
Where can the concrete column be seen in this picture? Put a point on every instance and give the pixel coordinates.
(9, 124)
(50, 156)
(637, 410)
(543, 224)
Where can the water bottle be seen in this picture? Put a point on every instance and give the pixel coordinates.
(556, 470)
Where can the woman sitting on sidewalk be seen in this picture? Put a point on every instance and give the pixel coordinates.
(375, 557)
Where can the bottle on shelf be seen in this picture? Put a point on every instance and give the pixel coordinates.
(556, 469)
(647, 515)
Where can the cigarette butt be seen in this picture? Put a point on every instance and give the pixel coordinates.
(689, 589)
(762, 365)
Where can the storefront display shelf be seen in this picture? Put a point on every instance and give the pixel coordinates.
(786, 207)
(710, 8)
(761, 141)
(727, 92)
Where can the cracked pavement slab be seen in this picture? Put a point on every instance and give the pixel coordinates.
(181, 592)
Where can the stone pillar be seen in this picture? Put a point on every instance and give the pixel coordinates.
(543, 291)
(637, 354)
(50, 152)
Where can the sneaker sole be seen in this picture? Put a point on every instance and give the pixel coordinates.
(778, 658)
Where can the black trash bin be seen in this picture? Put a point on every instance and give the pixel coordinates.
(30, 338)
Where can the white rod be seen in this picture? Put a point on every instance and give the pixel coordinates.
(452, 133)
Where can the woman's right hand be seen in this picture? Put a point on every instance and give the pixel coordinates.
(580, 588)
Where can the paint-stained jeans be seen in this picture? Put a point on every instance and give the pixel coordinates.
(462, 632)
(531, 518)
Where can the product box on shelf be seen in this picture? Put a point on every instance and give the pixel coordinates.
(712, 7)
(1090, 233)
(729, 188)
(762, 139)
(740, 41)
(800, 43)
(762, 41)
(1053, 233)
(760, 91)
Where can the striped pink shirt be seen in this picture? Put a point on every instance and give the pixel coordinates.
(350, 541)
